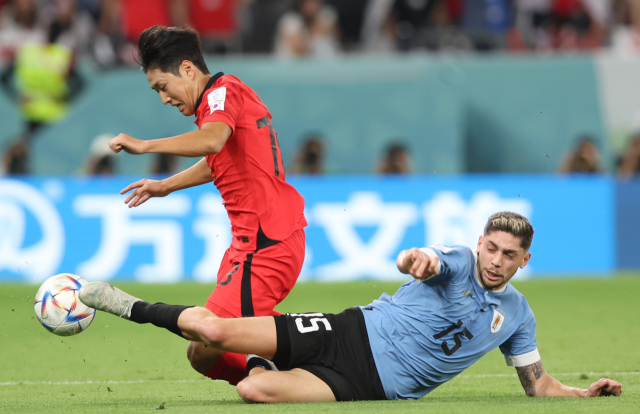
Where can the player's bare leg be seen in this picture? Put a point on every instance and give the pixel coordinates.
(297, 385)
(241, 335)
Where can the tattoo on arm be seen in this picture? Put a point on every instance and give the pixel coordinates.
(529, 375)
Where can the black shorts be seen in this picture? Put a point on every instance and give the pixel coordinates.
(334, 348)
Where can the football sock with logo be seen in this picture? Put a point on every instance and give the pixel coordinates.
(159, 314)
(256, 361)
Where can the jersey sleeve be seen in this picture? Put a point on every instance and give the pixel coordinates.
(521, 349)
(223, 105)
(455, 261)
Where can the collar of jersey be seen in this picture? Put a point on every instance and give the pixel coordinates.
(212, 80)
(476, 276)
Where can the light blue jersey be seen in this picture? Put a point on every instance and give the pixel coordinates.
(430, 331)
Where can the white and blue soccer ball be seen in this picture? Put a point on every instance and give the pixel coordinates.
(58, 307)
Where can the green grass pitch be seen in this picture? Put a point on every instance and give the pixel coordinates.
(586, 328)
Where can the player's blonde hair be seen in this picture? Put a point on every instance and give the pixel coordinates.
(512, 223)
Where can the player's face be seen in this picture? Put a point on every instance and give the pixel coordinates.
(178, 91)
(499, 257)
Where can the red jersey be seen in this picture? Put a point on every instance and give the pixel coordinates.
(248, 171)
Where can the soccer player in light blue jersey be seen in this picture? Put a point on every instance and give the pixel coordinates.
(458, 306)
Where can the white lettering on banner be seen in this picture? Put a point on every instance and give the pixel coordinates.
(214, 227)
(120, 232)
(41, 259)
(451, 220)
(359, 259)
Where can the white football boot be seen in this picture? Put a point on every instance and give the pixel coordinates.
(107, 298)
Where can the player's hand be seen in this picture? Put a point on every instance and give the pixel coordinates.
(417, 263)
(604, 387)
(128, 144)
(143, 190)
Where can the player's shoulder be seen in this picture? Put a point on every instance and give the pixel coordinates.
(221, 81)
(457, 262)
(518, 299)
(456, 249)
(227, 80)
(217, 92)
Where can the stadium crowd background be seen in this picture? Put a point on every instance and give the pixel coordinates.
(104, 32)
(482, 105)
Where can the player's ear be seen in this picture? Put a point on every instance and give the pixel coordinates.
(525, 260)
(188, 69)
(479, 244)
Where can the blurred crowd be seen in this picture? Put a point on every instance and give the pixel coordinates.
(584, 158)
(107, 30)
(41, 41)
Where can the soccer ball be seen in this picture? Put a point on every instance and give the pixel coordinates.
(58, 308)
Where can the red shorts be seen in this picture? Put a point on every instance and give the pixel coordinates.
(253, 283)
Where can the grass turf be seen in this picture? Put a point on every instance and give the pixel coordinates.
(586, 327)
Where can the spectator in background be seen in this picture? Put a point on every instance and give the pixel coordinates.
(395, 160)
(100, 160)
(411, 17)
(629, 163)
(164, 164)
(20, 25)
(532, 22)
(309, 30)
(350, 20)
(77, 24)
(216, 21)
(583, 158)
(42, 80)
(121, 22)
(573, 26)
(442, 34)
(487, 22)
(380, 30)
(310, 157)
(625, 37)
(16, 158)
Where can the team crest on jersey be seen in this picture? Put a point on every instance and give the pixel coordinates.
(216, 99)
(497, 321)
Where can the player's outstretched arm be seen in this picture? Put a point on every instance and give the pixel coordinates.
(537, 383)
(208, 140)
(199, 173)
(417, 263)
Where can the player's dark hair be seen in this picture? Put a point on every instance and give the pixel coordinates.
(512, 223)
(165, 48)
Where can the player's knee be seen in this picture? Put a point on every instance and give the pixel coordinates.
(201, 357)
(252, 390)
(194, 354)
(192, 351)
(213, 332)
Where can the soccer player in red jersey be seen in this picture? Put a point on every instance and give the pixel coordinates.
(242, 158)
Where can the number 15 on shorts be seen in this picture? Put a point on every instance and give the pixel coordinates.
(311, 319)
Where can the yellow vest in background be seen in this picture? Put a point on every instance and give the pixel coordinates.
(41, 81)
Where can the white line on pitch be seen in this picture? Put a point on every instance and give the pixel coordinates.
(560, 374)
(91, 382)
